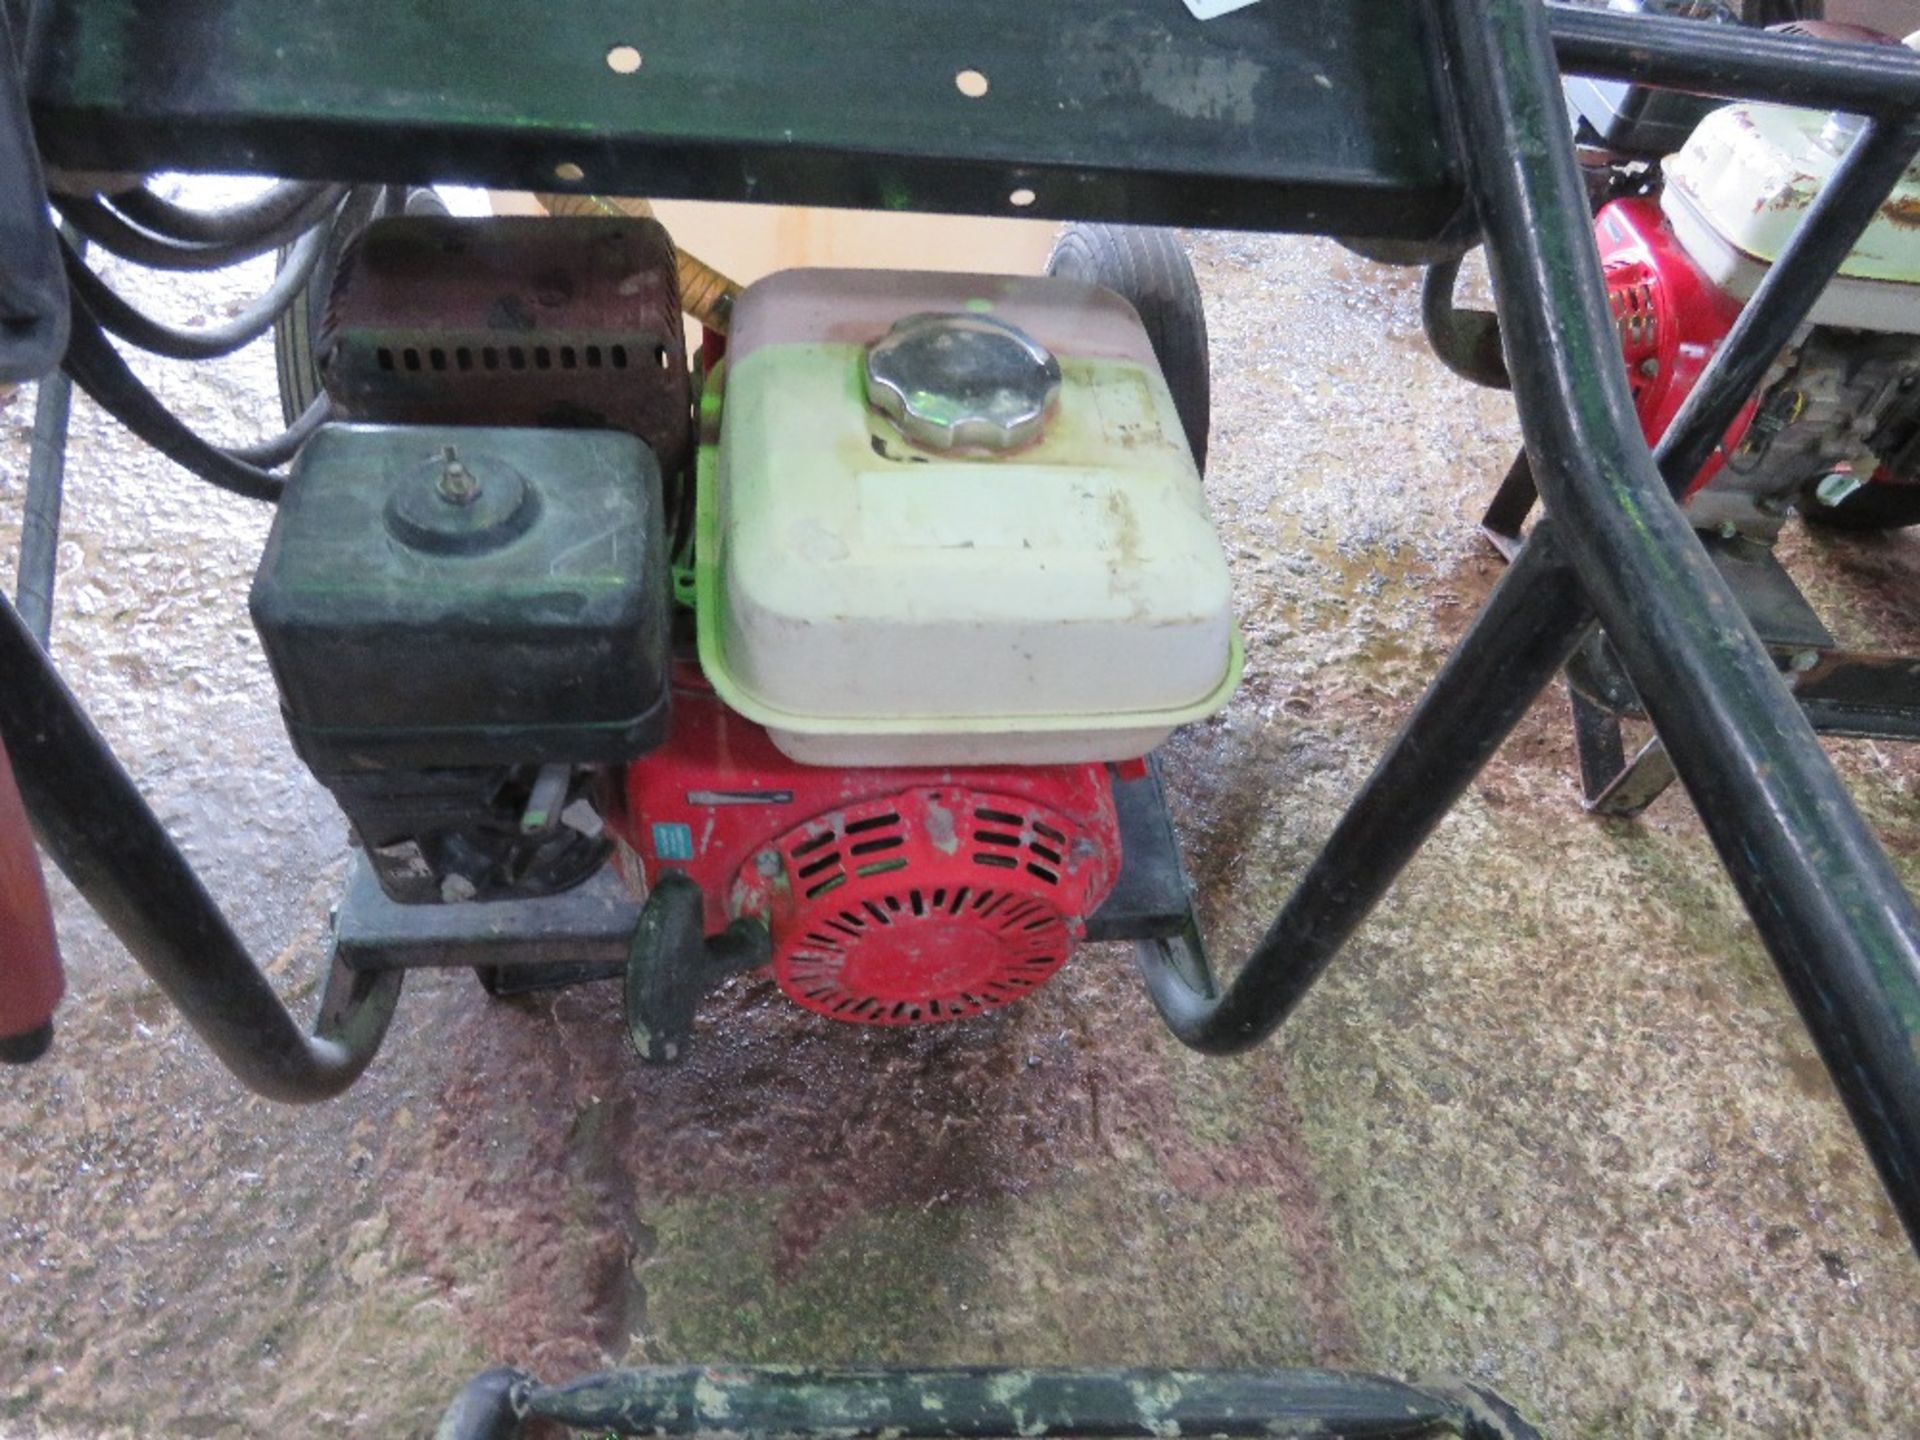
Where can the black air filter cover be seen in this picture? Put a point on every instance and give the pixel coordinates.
(437, 597)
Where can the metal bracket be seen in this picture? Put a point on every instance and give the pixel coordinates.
(515, 945)
(1313, 114)
(673, 965)
(1152, 896)
(1841, 692)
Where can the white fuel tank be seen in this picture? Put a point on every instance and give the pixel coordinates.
(953, 519)
(1740, 187)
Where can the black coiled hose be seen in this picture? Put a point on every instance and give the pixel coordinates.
(212, 341)
(143, 228)
(112, 231)
(96, 367)
(262, 214)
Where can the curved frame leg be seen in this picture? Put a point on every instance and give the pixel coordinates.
(106, 840)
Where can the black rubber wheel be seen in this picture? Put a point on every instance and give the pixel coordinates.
(295, 362)
(1871, 507)
(1150, 269)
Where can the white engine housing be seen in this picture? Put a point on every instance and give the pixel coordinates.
(1745, 179)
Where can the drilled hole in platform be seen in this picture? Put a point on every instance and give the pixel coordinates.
(571, 173)
(971, 83)
(1022, 198)
(623, 59)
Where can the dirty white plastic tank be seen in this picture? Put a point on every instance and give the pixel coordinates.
(975, 537)
(1740, 187)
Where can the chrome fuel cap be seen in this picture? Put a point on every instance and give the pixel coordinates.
(953, 381)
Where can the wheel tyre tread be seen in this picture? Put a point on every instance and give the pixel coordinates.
(296, 366)
(1872, 507)
(1150, 269)
(293, 363)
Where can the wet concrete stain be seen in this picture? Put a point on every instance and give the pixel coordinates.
(772, 1110)
(1550, 1121)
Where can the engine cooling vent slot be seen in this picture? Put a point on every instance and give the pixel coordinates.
(423, 353)
(1018, 840)
(931, 905)
(1636, 315)
(1018, 943)
(820, 863)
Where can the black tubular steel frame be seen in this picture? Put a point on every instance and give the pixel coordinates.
(108, 842)
(956, 1403)
(1836, 920)
(1613, 550)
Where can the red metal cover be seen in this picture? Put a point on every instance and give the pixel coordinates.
(30, 981)
(932, 904)
(895, 896)
(1670, 316)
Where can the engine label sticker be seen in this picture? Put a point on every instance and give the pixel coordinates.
(673, 842)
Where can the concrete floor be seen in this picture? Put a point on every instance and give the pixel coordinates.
(1550, 1120)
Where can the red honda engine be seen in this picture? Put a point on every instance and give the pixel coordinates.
(1833, 431)
(1671, 318)
(895, 896)
(848, 685)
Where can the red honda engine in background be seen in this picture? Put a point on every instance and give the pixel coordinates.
(894, 896)
(1836, 418)
(1692, 227)
(1671, 319)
